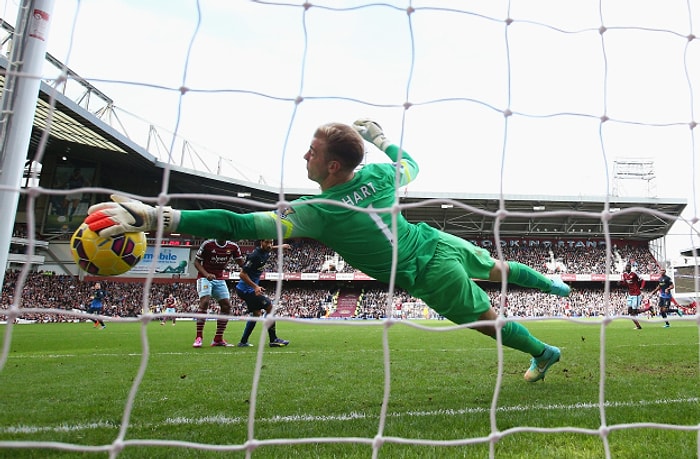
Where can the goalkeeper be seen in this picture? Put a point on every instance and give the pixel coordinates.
(431, 265)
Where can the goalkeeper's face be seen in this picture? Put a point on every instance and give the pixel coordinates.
(316, 164)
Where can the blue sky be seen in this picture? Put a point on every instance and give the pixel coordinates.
(458, 64)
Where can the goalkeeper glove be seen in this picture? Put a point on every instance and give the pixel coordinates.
(372, 132)
(125, 215)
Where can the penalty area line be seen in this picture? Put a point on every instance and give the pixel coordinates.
(219, 420)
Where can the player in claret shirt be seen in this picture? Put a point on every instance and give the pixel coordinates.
(212, 259)
(355, 215)
(634, 293)
(170, 307)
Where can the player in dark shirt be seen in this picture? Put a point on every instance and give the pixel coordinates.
(97, 303)
(250, 291)
(664, 288)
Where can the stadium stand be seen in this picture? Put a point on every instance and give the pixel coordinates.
(334, 299)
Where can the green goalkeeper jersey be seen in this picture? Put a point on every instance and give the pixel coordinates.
(360, 229)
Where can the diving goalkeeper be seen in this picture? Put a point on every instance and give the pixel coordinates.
(431, 265)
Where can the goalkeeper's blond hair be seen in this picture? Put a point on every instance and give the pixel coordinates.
(343, 144)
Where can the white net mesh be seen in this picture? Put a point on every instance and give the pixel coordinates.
(502, 97)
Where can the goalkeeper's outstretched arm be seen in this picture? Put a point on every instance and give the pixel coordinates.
(124, 215)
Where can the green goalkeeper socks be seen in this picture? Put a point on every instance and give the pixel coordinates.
(525, 276)
(516, 336)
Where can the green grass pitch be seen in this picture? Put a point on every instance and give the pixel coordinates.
(67, 385)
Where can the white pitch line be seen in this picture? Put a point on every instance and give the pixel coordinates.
(219, 420)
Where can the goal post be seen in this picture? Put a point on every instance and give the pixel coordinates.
(18, 105)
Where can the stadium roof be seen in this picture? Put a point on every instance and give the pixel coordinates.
(470, 215)
(465, 215)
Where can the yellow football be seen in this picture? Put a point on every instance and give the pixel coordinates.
(109, 256)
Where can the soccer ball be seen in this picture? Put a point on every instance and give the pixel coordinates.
(109, 256)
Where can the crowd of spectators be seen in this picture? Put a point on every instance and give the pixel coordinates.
(46, 290)
(68, 293)
(70, 296)
(306, 255)
(20, 230)
(312, 256)
(581, 259)
(309, 255)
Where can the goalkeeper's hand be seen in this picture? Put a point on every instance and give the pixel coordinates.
(372, 132)
(125, 215)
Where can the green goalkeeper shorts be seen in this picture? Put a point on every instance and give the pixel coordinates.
(446, 283)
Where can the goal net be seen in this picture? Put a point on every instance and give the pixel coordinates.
(494, 98)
